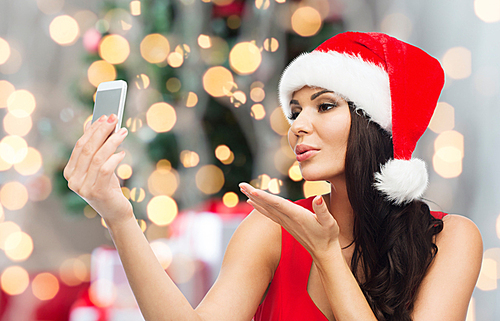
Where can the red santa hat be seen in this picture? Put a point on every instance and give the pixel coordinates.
(396, 84)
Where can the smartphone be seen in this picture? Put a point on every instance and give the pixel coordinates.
(110, 99)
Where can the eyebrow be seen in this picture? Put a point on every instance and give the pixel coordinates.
(314, 96)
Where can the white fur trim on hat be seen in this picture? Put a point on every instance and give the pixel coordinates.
(402, 181)
(364, 83)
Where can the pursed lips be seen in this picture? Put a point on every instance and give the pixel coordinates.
(304, 152)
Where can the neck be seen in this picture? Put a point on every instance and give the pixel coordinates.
(341, 209)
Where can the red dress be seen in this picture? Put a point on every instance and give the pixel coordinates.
(287, 298)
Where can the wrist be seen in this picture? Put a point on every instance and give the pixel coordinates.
(121, 221)
(333, 252)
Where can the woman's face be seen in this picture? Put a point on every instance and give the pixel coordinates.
(319, 133)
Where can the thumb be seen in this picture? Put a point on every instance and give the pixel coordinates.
(321, 210)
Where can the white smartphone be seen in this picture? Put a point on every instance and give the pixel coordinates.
(110, 99)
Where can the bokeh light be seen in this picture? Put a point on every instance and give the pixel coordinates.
(218, 81)
(294, 172)
(162, 210)
(488, 276)
(133, 124)
(175, 59)
(443, 118)
(262, 4)
(306, 21)
(142, 81)
(101, 71)
(64, 30)
(189, 158)
(222, 152)
(230, 199)
(18, 246)
(14, 280)
(45, 286)
(258, 111)
(114, 49)
(39, 188)
(73, 271)
(4, 51)
(13, 149)
(13, 63)
(233, 21)
(135, 8)
(163, 181)
(245, 58)
(271, 44)
(6, 229)
(13, 196)
(209, 179)
(457, 63)
(31, 164)
(274, 185)
(487, 10)
(173, 84)
(102, 293)
(124, 171)
(217, 53)
(137, 194)
(21, 103)
(192, 99)
(204, 41)
(6, 89)
(278, 122)
(17, 126)
(257, 94)
(312, 188)
(449, 145)
(161, 117)
(155, 48)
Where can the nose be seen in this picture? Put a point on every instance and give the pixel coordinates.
(302, 124)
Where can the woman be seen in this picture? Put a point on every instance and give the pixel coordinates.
(369, 250)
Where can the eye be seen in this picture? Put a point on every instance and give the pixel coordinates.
(294, 114)
(326, 106)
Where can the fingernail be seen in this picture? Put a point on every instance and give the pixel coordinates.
(319, 201)
(111, 118)
(123, 131)
(103, 118)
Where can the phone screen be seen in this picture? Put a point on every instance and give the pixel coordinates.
(106, 103)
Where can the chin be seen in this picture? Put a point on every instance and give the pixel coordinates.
(310, 174)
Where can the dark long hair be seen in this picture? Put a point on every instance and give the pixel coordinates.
(393, 245)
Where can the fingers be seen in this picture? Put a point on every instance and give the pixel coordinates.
(321, 210)
(75, 154)
(92, 145)
(107, 170)
(103, 155)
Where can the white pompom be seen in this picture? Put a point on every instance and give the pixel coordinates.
(402, 181)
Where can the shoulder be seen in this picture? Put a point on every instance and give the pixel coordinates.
(459, 231)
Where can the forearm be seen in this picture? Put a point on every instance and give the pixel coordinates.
(157, 295)
(344, 294)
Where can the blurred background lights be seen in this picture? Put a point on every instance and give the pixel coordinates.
(124, 171)
(164, 180)
(73, 271)
(278, 122)
(133, 124)
(14, 280)
(173, 84)
(189, 158)
(31, 164)
(487, 10)
(114, 49)
(397, 25)
(218, 81)
(192, 99)
(257, 94)
(221, 2)
(137, 194)
(13, 149)
(443, 118)
(294, 172)
(162, 252)
(457, 63)
(238, 98)
(245, 58)
(39, 188)
(19, 126)
(161, 117)
(6, 229)
(162, 210)
(498, 226)
(222, 152)
(262, 4)
(271, 44)
(50, 6)
(306, 21)
(4, 51)
(449, 152)
(13, 196)
(155, 48)
(45, 286)
(64, 30)
(102, 293)
(21, 103)
(209, 179)
(142, 81)
(18, 246)
(233, 22)
(204, 41)
(100, 71)
(274, 185)
(6, 89)
(13, 63)
(488, 276)
(258, 111)
(135, 8)
(230, 199)
(175, 59)
(316, 188)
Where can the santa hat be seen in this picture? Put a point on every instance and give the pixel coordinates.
(396, 84)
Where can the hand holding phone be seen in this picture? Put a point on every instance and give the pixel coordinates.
(110, 99)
